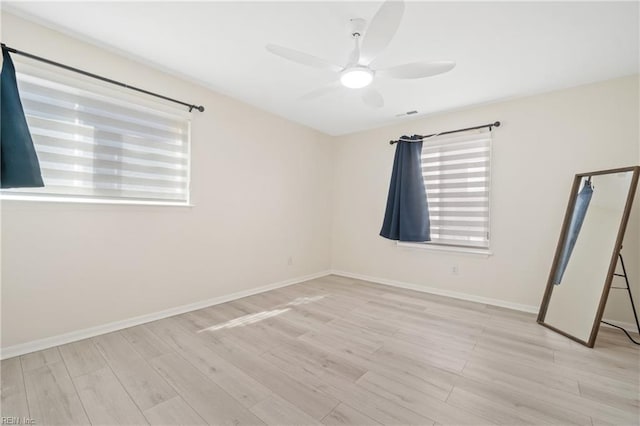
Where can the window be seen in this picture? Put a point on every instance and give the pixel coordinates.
(457, 171)
(96, 144)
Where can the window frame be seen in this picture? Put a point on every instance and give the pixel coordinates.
(462, 248)
(109, 93)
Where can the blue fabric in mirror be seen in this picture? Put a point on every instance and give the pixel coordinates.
(19, 167)
(407, 214)
(577, 219)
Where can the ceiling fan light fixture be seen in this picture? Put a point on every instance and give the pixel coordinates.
(356, 77)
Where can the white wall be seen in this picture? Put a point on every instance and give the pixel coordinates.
(543, 141)
(261, 189)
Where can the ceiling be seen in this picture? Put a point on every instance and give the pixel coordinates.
(502, 49)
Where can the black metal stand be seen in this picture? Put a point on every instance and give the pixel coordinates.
(633, 306)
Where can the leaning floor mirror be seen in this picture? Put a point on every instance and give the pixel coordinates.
(588, 252)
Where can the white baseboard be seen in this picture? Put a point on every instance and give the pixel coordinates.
(61, 339)
(440, 292)
(630, 327)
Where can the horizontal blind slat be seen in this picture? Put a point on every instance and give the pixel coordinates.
(107, 164)
(46, 137)
(445, 176)
(437, 212)
(93, 169)
(38, 109)
(481, 164)
(69, 99)
(447, 156)
(440, 186)
(444, 203)
(97, 148)
(107, 177)
(94, 184)
(71, 130)
(458, 233)
(73, 154)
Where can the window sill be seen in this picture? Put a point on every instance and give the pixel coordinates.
(451, 249)
(72, 200)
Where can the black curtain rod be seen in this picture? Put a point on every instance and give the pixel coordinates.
(98, 77)
(490, 125)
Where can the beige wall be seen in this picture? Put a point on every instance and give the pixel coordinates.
(544, 140)
(261, 189)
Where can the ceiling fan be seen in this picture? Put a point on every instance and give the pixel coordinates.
(358, 72)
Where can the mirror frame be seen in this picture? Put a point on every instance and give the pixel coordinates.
(614, 256)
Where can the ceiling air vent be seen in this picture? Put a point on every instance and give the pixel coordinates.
(402, 114)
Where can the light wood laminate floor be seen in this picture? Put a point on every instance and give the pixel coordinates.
(331, 351)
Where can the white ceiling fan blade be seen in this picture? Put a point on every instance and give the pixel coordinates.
(302, 58)
(372, 98)
(381, 30)
(417, 69)
(322, 91)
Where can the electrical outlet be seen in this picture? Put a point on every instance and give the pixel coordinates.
(290, 261)
(455, 270)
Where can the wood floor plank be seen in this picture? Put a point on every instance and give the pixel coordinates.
(226, 375)
(141, 381)
(209, 400)
(623, 391)
(333, 337)
(248, 327)
(147, 344)
(173, 412)
(307, 398)
(105, 400)
(526, 404)
(323, 359)
(358, 332)
(288, 328)
(344, 415)
(82, 357)
(52, 397)
(402, 368)
(382, 410)
(551, 401)
(278, 412)
(519, 375)
(446, 360)
(419, 402)
(497, 411)
(14, 396)
(41, 358)
(516, 348)
(628, 402)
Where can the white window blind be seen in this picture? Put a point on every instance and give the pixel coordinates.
(95, 146)
(457, 170)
